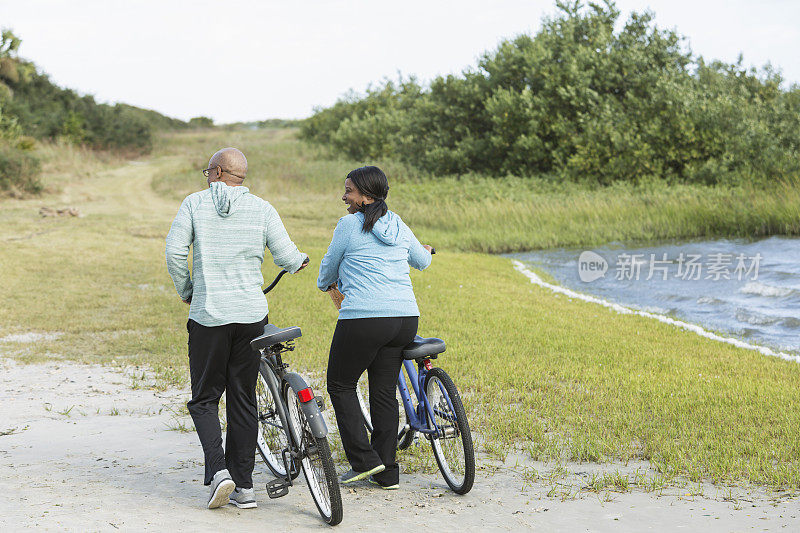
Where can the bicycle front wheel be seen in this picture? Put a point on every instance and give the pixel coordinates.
(273, 437)
(452, 446)
(316, 460)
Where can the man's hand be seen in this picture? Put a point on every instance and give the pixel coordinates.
(428, 247)
(306, 262)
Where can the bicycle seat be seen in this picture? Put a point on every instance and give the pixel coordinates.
(273, 335)
(421, 348)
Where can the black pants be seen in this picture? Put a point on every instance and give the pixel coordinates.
(221, 359)
(374, 345)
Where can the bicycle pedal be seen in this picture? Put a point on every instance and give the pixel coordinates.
(277, 488)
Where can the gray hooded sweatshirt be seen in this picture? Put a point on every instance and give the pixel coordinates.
(228, 229)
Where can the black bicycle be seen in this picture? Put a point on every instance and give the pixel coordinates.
(292, 432)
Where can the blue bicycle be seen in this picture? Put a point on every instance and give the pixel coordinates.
(438, 415)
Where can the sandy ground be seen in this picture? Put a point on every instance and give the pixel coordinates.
(81, 450)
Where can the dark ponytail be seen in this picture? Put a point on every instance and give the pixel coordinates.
(371, 182)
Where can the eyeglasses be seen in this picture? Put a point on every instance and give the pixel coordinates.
(207, 171)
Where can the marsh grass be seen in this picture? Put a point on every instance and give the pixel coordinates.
(512, 214)
(563, 380)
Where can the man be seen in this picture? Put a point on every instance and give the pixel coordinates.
(229, 229)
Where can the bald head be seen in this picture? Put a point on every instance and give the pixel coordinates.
(233, 164)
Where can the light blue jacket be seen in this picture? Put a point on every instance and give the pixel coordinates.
(228, 229)
(371, 269)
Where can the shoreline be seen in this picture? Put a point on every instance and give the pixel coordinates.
(695, 328)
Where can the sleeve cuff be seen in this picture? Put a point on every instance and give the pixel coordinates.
(298, 263)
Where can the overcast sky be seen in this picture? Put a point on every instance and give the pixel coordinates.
(250, 60)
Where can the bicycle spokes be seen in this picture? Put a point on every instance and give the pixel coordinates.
(447, 438)
(310, 458)
(271, 435)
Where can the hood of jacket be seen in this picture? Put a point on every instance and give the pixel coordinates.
(225, 197)
(387, 228)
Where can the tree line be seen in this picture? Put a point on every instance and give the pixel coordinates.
(33, 108)
(580, 101)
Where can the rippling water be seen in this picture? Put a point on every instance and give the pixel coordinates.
(745, 289)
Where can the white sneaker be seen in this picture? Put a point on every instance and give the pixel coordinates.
(221, 487)
(244, 498)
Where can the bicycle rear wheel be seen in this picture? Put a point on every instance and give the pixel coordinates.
(452, 447)
(362, 391)
(316, 460)
(273, 437)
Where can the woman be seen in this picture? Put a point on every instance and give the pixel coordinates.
(369, 260)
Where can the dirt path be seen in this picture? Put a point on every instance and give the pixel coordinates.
(82, 450)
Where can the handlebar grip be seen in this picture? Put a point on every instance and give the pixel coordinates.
(275, 281)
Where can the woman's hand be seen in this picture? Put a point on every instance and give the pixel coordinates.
(336, 296)
(428, 247)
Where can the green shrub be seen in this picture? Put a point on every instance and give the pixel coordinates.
(119, 127)
(201, 122)
(73, 128)
(19, 170)
(26, 144)
(586, 103)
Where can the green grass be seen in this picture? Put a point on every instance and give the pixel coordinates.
(484, 214)
(513, 214)
(563, 380)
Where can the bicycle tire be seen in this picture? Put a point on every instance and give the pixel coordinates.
(362, 391)
(448, 454)
(273, 434)
(316, 462)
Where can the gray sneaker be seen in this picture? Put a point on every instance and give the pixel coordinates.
(244, 498)
(221, 487)
(351, 475)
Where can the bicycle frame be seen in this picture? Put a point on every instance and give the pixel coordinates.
(416, 417)
(311, 410)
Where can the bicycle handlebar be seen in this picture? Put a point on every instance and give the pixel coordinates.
(275, 281)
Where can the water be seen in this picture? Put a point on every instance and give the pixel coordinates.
(744, 289)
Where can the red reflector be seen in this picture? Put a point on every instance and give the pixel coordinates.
(305, 395)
